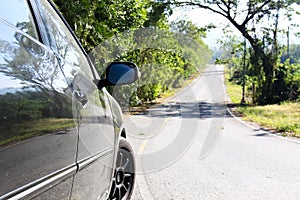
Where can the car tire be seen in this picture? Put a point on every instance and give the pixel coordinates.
(124, 175)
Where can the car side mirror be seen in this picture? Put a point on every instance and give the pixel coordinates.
(119, 73)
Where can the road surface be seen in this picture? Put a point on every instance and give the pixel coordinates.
(191, 147)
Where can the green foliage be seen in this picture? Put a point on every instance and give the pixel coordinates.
(94, 21)
(286, 76)
(164, 58)
(282, 117)
(258, 22)
(157, 14)
(292, 80)
(293, 53)
(138, 31)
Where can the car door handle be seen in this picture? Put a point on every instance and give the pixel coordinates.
(81, 98)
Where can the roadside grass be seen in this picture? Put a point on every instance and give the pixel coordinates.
(284, 118)
(234, 91)
(24, 130)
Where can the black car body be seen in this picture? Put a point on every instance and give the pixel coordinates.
(61, 133)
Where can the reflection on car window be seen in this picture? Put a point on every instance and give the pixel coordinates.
(33, 102)
(17, 13)
(27, 66)
(66, 45)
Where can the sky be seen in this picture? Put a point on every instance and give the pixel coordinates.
(203, 17)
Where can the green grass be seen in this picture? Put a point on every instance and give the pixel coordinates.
(24, 130)
(283, 118)
(234, 91)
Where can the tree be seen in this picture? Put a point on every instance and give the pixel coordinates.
(137, 31)
(190, 38)
(157, 15)
(258, 22)
(293, 53)
(94, 21)
(232, 55)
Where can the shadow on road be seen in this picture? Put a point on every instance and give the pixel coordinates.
(263, 132)
(201, 110)
(183, 131)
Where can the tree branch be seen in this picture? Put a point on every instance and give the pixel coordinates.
(223, 10)
(251, 15)
(193, 4)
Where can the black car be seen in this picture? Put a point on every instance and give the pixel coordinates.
(61, 133)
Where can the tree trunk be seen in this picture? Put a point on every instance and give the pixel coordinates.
(267, 90)
(267, 64)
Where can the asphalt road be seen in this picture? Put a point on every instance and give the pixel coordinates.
(191, 147)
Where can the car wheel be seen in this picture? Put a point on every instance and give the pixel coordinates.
(124, 175)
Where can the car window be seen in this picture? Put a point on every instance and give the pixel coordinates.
(34, 109)
(21, 17)
(66, 45)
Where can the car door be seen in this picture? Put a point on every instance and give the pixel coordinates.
(38, 135)
(94, 119)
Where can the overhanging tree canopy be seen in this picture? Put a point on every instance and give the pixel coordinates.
(258, 21)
